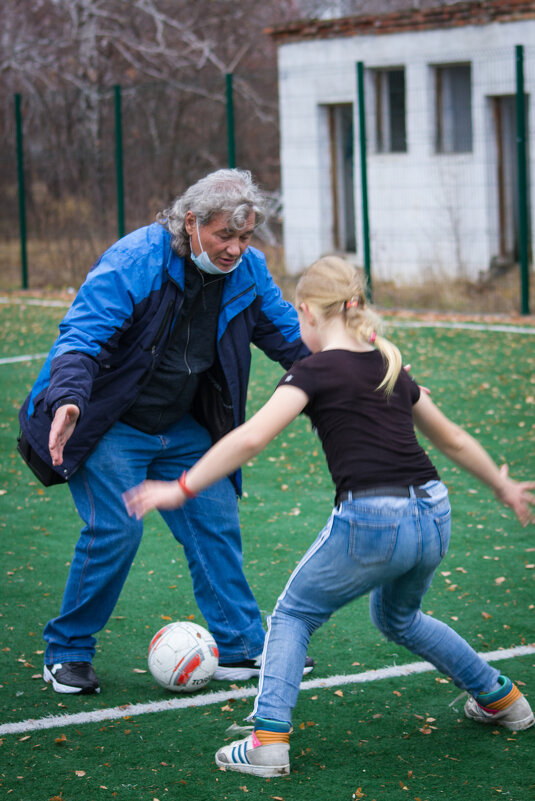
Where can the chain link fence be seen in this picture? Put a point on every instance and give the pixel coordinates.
(441, 162)
(171, 136)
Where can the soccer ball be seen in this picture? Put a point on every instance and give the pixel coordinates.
(183, 657)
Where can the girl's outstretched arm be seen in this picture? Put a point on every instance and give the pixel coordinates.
(223, 458)
(459, 446)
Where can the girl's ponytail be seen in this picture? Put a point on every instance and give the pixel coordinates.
(392, 359)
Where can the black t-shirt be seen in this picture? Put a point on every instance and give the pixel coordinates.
(368, 438)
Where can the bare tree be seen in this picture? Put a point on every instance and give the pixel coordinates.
(170, 57)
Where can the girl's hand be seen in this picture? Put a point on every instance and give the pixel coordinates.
(517, 495)
(153, 495)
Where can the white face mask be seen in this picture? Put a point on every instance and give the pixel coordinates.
(203, 261)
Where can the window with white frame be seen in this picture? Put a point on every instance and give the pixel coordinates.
(389, 95)
(453, 108)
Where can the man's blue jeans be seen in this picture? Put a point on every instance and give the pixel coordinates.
(387, 546)
(207, 528)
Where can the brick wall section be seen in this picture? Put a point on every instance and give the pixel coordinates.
(450, 16)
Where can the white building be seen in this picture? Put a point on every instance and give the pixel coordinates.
(442, 171)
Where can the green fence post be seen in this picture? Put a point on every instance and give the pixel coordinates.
(523, 233)
(119, 161)
(22, 192)
(364, 180)
(231, 142)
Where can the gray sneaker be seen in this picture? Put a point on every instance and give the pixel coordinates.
(249, 756)
(516, 716)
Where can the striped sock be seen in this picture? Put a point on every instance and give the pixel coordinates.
(268, 731)
(500, 699)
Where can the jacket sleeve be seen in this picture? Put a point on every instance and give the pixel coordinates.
(92, 327)
(277, 330)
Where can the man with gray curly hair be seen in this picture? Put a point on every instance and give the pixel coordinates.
(231, 193)
(150, 368)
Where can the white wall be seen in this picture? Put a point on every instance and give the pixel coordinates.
(428, 211)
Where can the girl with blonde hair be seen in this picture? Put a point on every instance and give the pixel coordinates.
(390, 526)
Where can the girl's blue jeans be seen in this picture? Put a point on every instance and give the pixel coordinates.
(389, 547)
(207, 528)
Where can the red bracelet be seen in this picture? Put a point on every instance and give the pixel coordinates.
(182, 484)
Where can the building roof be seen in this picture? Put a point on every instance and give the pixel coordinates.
(445, 16)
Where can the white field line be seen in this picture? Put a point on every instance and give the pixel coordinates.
(508, 329)
(26, 358)
(223, 696)
(60, 304)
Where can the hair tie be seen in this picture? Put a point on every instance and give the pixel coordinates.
(352, 303)
(373, 337)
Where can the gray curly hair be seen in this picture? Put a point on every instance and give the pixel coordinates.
(231, 192)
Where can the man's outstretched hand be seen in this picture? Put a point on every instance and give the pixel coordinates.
(63, 425)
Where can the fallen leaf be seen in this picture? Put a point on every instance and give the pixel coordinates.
(80, 772)
(486, 615)
(339, 693)
(499, 580)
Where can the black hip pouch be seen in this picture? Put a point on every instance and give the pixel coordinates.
(38, 466)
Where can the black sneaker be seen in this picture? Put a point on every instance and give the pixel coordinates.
(249, 669)
(72, 677)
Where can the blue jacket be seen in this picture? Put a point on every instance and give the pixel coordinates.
(117, 329)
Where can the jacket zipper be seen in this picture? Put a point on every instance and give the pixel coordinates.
(188, 368)
(161, 328)
(245, 291)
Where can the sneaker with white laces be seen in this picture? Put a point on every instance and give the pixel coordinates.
(250, 756)
(72, 677)
(505, 707)
(249, 669)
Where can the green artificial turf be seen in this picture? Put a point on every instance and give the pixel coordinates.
(383, 740)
